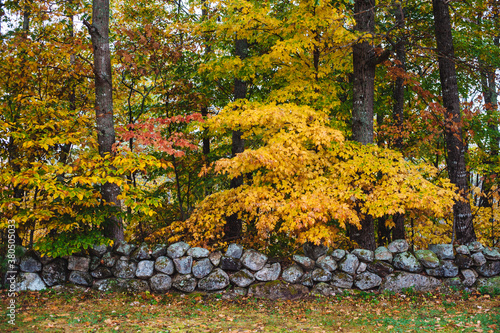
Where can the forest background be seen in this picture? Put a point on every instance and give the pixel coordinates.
(270, 123)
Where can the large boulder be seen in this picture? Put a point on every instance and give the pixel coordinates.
(478, 259)
(363, 255)
(427, 258)
(145, 269)
(198, 252)
(475, 247)
(349, 264)
(398, 246)
(491, 268)
(339, 254)
(269, 272)
(30, 264)
(402, 280)
(215, 258)
(108, 260)
(216, 280)
(101, 273)
(242, 278)
(81, 278)
(382, 253)
(160, 283)
(98, 250)
(327, 263)
(202, 268)
(462, 249)
(134, 286)
(469, 277)
(314, 251)
(293, 274)
(464, 261)
(491, 253)
(381, 268)
(275, 290)
(321, 275)
(158, 250)
(124, 269)
(446, 269)
(307, 280)
(177, 250)
(406, 261)
(304, 262)
(234, 251)
(78, 263)
(164, 265)
(186, 283)
(141, 253)
(324, 289)
(29, 281)
(443, 251)
(367, 280)
(183, 265)
(123, 248)
(230, 263)
(342, 280)
(55, 273)
(253, 260)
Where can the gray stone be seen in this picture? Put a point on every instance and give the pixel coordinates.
(321, 275)
(381, 268)
(183, 265)
(453, 282)
(98, 250)
(177, 250)
(349, 264)
(342, 280)
(186, 283)
(216, 280)
(475, 247)
(230, 263)
(462, 249)
(491, 253)
(275, 290)
(145, 269)
(491, 268)
(198, 252)
(160, 283)
(215, 258)
(463, 261)
(470, 276)
(407, 262)
(29, 281)
(324, 289)
(402, 280)
(446, 269)
(361, 268)
(367, 280)
(141, 253)
(124, 269)
(478, 258)
(78, 264)
(427, 258)
(234, 293)
(269, 272)
(234, 251)
(398, 246)
(443, 251)
(491, 285)
(202, 268)
(338, 254)
(307, 280)
(108, 260)
(81, 278)
(242, 278)
(293, 274)
(314, 251)
(123, 248)
(101, 273)
(382, 253)
(158, 250)
(107, 285)
(94, 263)
(30, 264)
(253, 260)
(164, 265)
(363, 255)
(327, 263)
(55, 273)
(136, 286)
(305, 262)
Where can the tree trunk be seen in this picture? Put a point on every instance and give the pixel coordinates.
(398, 109)
(362, 113)
(462, 215)
(232, 229)
(99, 31)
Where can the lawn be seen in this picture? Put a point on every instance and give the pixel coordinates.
(80, 310)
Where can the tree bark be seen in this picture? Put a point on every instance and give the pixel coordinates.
(232, 229)
(363, 93)
(99, 32)
(398, 108)
(456, 149)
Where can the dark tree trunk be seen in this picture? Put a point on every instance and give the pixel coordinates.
(362, 113)
(208, 50)
(398, 109)
(462, 215)
(99, 31)
(232, 229)
(384, 233)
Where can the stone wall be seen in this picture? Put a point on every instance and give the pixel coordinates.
(161, 268)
